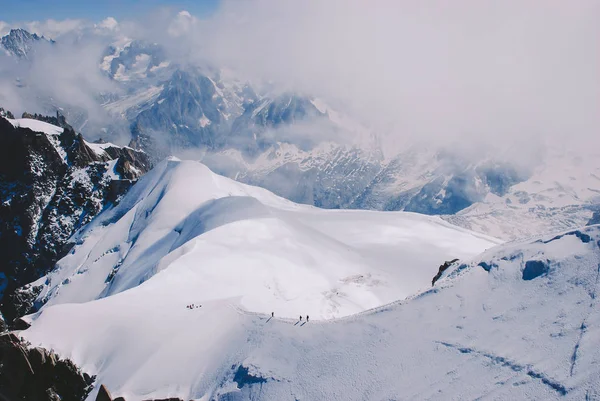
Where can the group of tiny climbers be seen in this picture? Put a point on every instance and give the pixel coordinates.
(273, 315)
(193, 306)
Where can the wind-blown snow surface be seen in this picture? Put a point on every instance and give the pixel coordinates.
(213, 238)
(519, 322)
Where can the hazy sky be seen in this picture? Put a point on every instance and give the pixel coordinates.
(26, 10)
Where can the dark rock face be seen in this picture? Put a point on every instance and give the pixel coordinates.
(38, 375)
(442, 269)
(59, 120)
(6, 113)
(103, 394)
(50, 187)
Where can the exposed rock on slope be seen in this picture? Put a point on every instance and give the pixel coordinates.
(442, 269)
(52, 182)
(35, 374)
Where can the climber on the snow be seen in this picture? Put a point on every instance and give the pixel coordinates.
(272, 314)
(307, 318)
(300, 317)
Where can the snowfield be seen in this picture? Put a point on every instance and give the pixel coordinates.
(213, 238)
(520, 321)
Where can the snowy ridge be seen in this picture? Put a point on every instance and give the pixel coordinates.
(296, 258)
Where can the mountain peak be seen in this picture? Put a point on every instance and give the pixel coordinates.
(19, 42)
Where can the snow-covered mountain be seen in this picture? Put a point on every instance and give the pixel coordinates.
(561, 192)
(308, 152)
(190, 110)
(244, 241)
(20, 43)
(303, 149)
(170, 294)
(134, 60)
(52, 183)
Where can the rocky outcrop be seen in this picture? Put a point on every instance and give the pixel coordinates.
(103, 394)
(6, 113)
(58, 120)
(442, 269)
(36, 374)
(51, 185)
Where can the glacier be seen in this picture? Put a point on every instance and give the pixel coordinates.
(509, 321)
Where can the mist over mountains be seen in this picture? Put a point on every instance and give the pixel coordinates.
(316, 145)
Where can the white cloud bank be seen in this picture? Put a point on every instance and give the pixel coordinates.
(427, 69)
(492, 71)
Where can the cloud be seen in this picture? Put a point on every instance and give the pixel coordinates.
(51, 29)
(487, 73)
(54, 29)
(62, 75)
(4, 28)
(109, 24)
(496, 71)
(182, 24)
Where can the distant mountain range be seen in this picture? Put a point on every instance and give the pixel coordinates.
(301, 148)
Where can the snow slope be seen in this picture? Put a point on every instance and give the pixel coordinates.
(36, 125)
(521, 321)
(213, 238)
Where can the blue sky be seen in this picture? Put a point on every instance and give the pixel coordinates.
(12, 11)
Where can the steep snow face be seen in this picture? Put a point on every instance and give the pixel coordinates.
(518, 322)
(214, 238)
